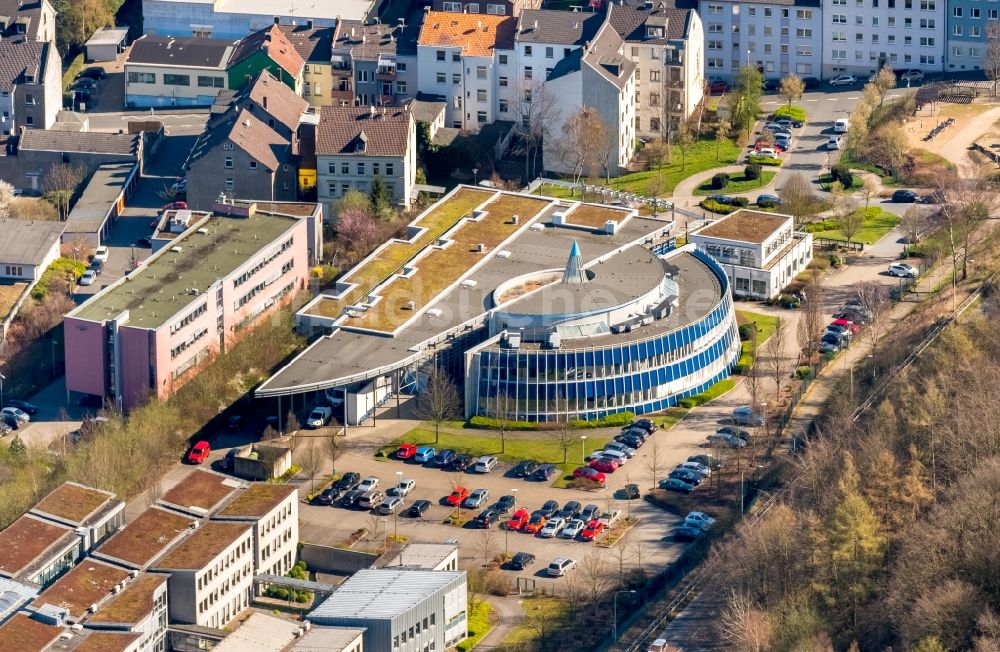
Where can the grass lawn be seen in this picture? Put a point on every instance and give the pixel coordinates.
(766, 325)
(873, 229)
(736, 184)
(479, 625)
(542, 614)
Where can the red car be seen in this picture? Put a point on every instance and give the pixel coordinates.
(199, 452)
(405, 451)
(591, 473)
(854, 328)
(518, 520)
(457, 497)
(604, 465)
(763, 143)
(718, 86)
(176, 206)
(593, 530)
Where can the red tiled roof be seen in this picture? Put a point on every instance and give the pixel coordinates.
(275, 44)
(477, 34)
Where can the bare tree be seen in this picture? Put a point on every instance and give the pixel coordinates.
(311, 461)
(486, 545)
(565, 437)
(744, 625)
(504, 414)
(991, 62)
(684, 139)
(59, 184)
(811, 322)
(334, 447)
(798, 199)
(592, 571)
(654, 461)
(875, 300)
(791, 89)
(850, 220)
(439, 402)
(869, 190)
(536, 110)
(913, 224)
(584, 137)
(777, 363)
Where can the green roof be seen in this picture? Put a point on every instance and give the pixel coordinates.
(157, 291)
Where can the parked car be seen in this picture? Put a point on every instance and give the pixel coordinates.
(593, 530)
(85, 84)
(391, 505)
(625, 450)
(521, 561)
(457, 496)
(92, 72)
(476, 498)
(733, 431)
(841, 125)
(631, 491)
(697, 468)
(418, 508)
(348, 481)
(788, 122)
(768, 201)
(603, 465)
(687, 533)
(912, 77)
(905, 196)
(687, 475)
(699, 519)
(612, 517)
(552, 527)
(487, 518)
(844, 80)
(371, 499)
(834, 142)
(96, 266)
(404, 487)
(718, 86)
(570, 510)
(721, 199)
(199, 452)
(175, 206)
(143, 243)
(609, 454)
(903, 270)
(328, 495)
(769, 152)
(102, 254)
(590, 512)
(443, 458)
(518, 519)
(485, 464)
(675, 484)
(847, 323)
(6, 430)
(229, 461)
(320, 416)
(645, 424)
(424, 454)
(630, 439)
(506, 503)
(88, 277)
(772, 84)
(351, 498)
(810, 82)
(726, 441)
(545, 472)
(24, 406)
(15, 414)
(560, 566)
(830, 343)
(710, 461)
(549, 507)
(535, 523)
(745, 416)
(460, 462)
(842, 332)
(573, 529)
(405, 451)
(524, 468)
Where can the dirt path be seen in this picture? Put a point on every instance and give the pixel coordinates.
(509, 615)
(971, 122)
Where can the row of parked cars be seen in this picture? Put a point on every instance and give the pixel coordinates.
(616, 452)
(446, 458)
(847, 322)
(14, 415)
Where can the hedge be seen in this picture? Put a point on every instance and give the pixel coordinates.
(720, 181)
(790, 112)
(741, 202)
(764, 202)
(716, 207)
(617, 420)
(822, 225)
(61, 268)
(752, 172)
(715, 391)
(489, 423)
(763, 160)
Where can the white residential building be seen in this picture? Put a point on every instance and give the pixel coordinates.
(861, 36)
(779, 38)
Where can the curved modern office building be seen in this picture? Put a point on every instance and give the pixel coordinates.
(544, 309)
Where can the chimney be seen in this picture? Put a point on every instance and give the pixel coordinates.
(309, 24)
(277, 20)
(535, 25)
(265, 102)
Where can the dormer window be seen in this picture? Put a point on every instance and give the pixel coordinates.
(654, 32)
(361, 143)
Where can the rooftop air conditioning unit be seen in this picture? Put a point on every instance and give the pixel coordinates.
(503, 254)
(558, 218)
(434, 312)
(469, 283)
(481, 248)
(611, 227)
(203, 231)
(177, 250)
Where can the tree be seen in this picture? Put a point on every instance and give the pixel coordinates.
(654, 461)
(657, 153)
(850, 220)
(357, 229)
(381, 199)
(913, 224)
(745, 105)
(76, 21)
(869, 190)
(722, 129)
(565, 437)
(798, 199)
(991, 63)
(334, 448)
(352, 200)
(744, 625)
(888, 147)
(584, 138)
(60, 183)
(311, 462)
(883, 82)
(875, 300)
(791, 89)
(439, 401)
(777, 363)
(684, 139)
(6, 199)
(536, 110)
(592, 572)
(504, 414)
(486, 545)
(812, 322)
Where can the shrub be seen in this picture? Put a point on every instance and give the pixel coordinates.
(764, 160)
(489, 423)
(803, 371)
(746, 332)
(842, 174)
(720, 181)
(740, 202)
(791, 112)
(766, 202)
(584, 483)
(611, 421)
(716, 207)
(822, 225)
(835, 260)
(59, 273)
(751, 172)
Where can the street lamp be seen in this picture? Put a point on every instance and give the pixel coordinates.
(614, 624)
(475, 176)
(385, 534)
(748, 57)
(583, 452)
(395, 514)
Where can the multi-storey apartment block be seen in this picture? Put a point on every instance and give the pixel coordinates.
(491, 7)
(373, 64)
(968, 26)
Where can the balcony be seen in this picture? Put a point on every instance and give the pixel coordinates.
(342, 94)
(385, 73)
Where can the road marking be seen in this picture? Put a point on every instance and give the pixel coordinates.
(812, 100)
(832, 99)
(853, 98)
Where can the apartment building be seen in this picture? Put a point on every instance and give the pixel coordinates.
(168, 71)
(30, 84)
(489, 7)
(460, 57)
(34, 20)
(374, 64)
(268, 50)
(145, 333)
(667, 45)
(314, 45)
(779, 38)
(968, 26)
(211, 574)
(861, 36)
(354, 145)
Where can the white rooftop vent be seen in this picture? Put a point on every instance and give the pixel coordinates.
(481, 248)
(177, 250)
(469, 283)
(410, 305)
(514, 341)
(559, 217)
(435, 312)
(203, 231)
(515, 219)
(505, 253)
(611, 227)
(537, 227)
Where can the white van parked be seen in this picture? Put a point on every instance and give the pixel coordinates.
(841, 125)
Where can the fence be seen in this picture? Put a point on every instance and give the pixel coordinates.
(835, 242)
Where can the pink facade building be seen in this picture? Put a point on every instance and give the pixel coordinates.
(144, 335)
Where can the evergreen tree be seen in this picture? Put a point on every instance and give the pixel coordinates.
(381, 198)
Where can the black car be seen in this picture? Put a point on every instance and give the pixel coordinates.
(328, 495)
(460, 462)
(521, 560)
(629, 439)
(904, 197)
(810, 82)
(9, 423)
(687, 533)
(487, 518)
(570, 510)
(710, 461)
(443, 458)
(590, 512)
(92, 73)
(641, 433)
(85, 84)
(545, 472)
(687, 475)
(348, 481)
(24, 406)
(505, 504)
(351, 498)
(418, 508)
(524, 468)
(631, 491)
(772, 84)
(144, 243)
(644, 424)
(725, 200)
(229, 461)
(548, 509)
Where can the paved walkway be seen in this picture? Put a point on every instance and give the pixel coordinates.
(509, 614)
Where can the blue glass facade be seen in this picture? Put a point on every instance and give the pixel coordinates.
(640, 375)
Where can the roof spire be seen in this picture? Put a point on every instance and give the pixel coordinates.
(574, 273)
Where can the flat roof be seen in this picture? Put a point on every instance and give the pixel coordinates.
(383, 593)
(24, 634)
(99, 197)
(26, 242)
(423, 555)
(10, 293)
(14, 595)
(258, 500)
(131, 605)
(73, 502)
(744, 226)
(107, 642)
(261, 633)
(322, 638)
(144, 539)
(156, 291)
(207, 543)
(185, 52)
(317, 9)
(84, 585)
(108, 36)
(27, 539)
(201, 492)
(539, 245)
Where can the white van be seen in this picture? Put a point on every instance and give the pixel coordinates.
(841, 125)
